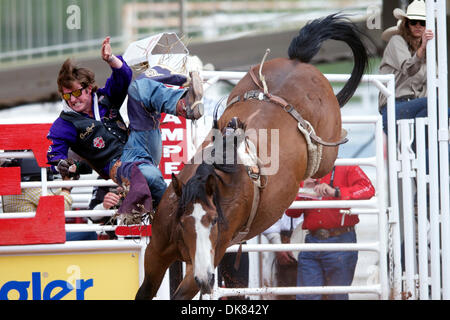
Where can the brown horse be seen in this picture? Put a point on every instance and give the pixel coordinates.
(214, 203)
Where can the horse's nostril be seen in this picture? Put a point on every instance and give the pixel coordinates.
(206, 285)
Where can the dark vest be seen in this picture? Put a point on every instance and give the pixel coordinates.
(98, 142)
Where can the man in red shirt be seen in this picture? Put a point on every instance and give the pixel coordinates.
(331, 268)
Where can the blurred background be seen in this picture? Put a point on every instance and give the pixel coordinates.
(37, 35)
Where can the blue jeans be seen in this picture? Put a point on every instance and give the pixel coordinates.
(326, 268)
(147, 146)
(147, 99)
(76, 236)
(416, 108)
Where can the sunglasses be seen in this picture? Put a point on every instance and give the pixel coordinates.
(414, 22)
(75, 93)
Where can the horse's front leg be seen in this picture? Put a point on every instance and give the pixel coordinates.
(188, 287)
(155, 266)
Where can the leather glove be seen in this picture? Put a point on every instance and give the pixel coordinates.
(68, 169)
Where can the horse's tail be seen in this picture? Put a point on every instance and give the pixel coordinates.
(337, 27)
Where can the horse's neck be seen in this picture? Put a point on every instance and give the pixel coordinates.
(235, 185)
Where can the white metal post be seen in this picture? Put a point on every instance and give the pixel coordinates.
(443, 140)
(422, 219)
(393, 167)
(406, 175)
(382, 214)
(433, 154)
(44, 188)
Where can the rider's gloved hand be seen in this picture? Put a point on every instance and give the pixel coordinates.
(68, 169)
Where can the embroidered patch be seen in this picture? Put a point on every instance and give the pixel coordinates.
(88, 131)
(99, 142)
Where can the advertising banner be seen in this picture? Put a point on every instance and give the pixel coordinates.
(88, 276)
(174, 139)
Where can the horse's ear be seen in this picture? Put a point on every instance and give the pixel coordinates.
(177, 185)
(210, 185)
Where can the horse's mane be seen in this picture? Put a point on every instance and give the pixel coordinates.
(195, 187)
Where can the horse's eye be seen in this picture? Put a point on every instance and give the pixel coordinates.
(214, 221)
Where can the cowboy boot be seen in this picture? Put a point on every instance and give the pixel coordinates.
(191, 106)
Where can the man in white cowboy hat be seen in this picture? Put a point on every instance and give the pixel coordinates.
(405, 57)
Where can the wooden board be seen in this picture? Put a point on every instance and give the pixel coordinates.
(26, 137)
(10, 181)
(48, 226)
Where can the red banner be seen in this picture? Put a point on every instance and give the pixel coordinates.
(174, 139)
(48, 224)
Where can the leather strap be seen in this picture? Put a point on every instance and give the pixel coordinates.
(286, 107)
(333, 232)
(255, 204)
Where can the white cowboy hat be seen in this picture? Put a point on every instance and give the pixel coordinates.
(415, 11)
(389, 32)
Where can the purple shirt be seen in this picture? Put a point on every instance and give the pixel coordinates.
(63, 133)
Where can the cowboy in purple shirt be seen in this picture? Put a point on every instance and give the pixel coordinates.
(92, 127)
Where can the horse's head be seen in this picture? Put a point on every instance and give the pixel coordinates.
(200, 216)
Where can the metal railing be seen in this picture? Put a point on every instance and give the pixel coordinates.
(369, 206)
(380, 246)
(376, 205)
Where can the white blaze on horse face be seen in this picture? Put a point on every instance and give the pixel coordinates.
(203, 252)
